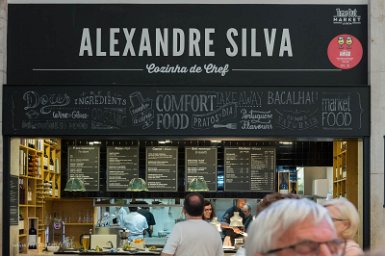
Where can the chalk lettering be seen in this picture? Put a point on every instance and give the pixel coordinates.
(185, 102)
(291, 97)
(46, 101)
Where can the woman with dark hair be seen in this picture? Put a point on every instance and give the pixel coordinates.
(208, 211)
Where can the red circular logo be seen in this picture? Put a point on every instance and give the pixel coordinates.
(345, 51)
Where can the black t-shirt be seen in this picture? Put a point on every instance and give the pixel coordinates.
(148, 215)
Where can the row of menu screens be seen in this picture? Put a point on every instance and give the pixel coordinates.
(245, 168)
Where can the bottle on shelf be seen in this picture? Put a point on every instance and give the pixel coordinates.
(31, 143)
(45, 160)
(22, 162)
(29, 192)
(51, 164)
(21, 224)
(32, 237)
(21, 192)
(283, 186)
(30, 165)
(40, 193)
(293, 188)
(57, 165)
(56, 191)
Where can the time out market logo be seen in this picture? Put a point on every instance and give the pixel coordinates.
(346, 17)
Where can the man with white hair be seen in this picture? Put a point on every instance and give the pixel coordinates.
(293, 227)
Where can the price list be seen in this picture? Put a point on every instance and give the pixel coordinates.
(83, 163)
(122, 166)
(237, 169)
(201, 162)
(161, 168)
(262, 170)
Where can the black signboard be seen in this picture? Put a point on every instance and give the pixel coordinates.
(122, 166)
(249, 169)
(161, 168)
(83, 163)
(188, 44)
(14, 200)
(262, 169)
(203, 111)
(201, 162)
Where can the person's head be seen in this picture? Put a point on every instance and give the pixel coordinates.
(344, 215)
(241, 202)
(193, 204)
(143, 205)
(293, 227)
(132, 206)
(208, 211)
(271, 198)
(246, 209)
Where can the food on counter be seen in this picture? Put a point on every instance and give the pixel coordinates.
(98, 248)
(152, 248)
(127, 247)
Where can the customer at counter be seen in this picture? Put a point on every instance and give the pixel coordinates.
(346, 220)
(293, 227)
(193, 237)
(208, 211)
(265, 203)
(273, 197)
(135, 223)
(232, 232)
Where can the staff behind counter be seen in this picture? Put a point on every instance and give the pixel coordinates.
(133, 221)
(227, 227)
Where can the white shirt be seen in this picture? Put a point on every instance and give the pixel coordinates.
(194, 237)
(135, 223)
(121, 214)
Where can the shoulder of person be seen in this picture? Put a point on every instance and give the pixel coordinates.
(352, 248)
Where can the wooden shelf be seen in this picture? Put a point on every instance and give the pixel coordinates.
(339, 180)
(345, 169)
(29, 161)
(30, 177)
(79, 224)
(65, 207)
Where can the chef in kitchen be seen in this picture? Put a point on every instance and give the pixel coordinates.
(134, 222)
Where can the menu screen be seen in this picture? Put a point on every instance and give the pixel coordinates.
(162, 168)
(201, 162)
(122, 166)
(84, 164)
(249, 169)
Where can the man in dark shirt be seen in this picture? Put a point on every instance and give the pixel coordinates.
(145, 211)
(226, 218)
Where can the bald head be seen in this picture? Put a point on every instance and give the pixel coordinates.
(194, 204)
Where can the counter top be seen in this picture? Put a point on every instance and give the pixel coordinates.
(92, 252)
(119, 252)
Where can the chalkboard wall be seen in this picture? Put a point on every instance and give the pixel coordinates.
(199, 111)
